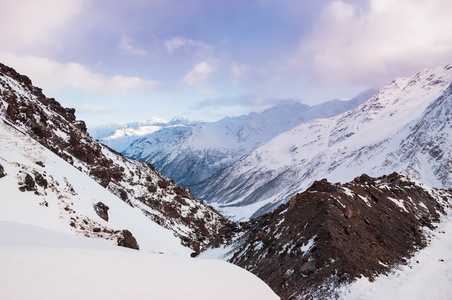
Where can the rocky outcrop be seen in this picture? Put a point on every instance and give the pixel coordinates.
(332, 233)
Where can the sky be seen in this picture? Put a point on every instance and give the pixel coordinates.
(125, 61)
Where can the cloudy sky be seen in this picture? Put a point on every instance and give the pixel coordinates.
(123, 61)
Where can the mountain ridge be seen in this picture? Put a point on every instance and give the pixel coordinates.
(336, 148)
(24, 107)
(210, 147)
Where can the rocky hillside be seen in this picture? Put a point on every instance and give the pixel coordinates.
(332, 234)
(25, 108)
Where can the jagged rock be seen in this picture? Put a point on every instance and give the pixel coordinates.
(126, 239)
(2, 171)
(101, 210)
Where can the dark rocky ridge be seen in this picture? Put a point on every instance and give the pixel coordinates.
(329, 235)
(27, 109)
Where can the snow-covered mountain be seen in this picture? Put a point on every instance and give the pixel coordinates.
(153, 134)
(138, 184)
(405, 127)
(207, 148)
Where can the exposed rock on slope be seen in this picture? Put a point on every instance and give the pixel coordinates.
(25, 108)
(332, 233)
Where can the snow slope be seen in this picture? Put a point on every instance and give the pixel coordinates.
(40, 263)
(43, 258)
(366, 139)
(207, 148)
(428, 274)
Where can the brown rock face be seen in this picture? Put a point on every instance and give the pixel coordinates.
(331, 234)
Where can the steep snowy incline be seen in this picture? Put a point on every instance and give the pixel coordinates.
(59, 197)
(337, 148)
(210, 147)
(138, 184)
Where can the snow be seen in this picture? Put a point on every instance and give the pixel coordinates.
(399, 203)
(42, 257)
(428, 274)
(40, 263)
(121, 136)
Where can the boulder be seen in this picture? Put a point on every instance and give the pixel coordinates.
(126, 239)
(101, 210)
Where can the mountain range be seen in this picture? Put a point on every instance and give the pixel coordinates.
(404, 127)
(249, 165)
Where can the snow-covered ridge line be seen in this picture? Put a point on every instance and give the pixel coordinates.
(379, 136)
(196, 154)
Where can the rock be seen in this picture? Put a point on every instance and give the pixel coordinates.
(348, 212)
(101, 210)
(28, 184)
(40, 163)
(343, 277)
(2, 171)
(225, 231)
(40, 180)
(194, 254)
(126, 239)
(266, 239)
(308, 267)
(96, 229)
